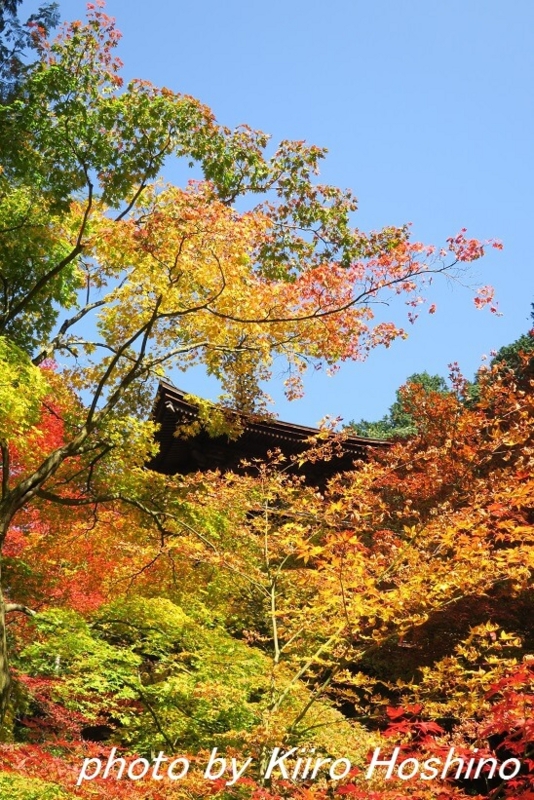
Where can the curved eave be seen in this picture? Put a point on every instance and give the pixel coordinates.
(200, 452)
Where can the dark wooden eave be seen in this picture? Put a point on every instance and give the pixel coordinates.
(179, 455)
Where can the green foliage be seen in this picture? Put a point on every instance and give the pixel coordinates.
(16, 787)
(517, 357)
(162, 679)
(32, 242)
(511, 354)
(22, 388)
(190, 683)
(16, 38)
(399, 422)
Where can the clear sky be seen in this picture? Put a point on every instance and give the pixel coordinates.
(426, 109)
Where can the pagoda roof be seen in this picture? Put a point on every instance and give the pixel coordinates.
(184, 454)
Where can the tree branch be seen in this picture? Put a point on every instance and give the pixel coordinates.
(9, 607)
(57, 342)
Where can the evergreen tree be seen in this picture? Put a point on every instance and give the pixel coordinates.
(399, 422)
(513, 355)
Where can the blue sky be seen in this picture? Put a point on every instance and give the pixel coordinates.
(426, 109)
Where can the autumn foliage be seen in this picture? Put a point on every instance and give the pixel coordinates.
(389, 607)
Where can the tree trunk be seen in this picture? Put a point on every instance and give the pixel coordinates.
(5, 680)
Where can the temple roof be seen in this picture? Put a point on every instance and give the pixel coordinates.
(179, 454)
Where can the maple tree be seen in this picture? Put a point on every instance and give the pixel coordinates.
(402, 595)
(120, 276)
(17, 37)
(247, 612)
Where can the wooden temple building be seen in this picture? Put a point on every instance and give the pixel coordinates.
(180, 454)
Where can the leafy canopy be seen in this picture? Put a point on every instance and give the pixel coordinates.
(119, 277)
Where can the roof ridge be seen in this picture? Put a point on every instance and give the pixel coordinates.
(252, 420)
